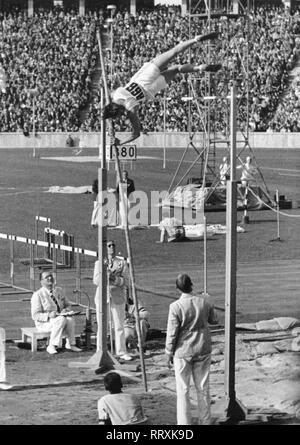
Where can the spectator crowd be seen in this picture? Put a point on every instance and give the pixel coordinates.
(55, 53)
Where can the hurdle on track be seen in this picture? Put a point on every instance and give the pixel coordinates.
(73, 251)
(67, 258)
(50, 234)
(40, 219)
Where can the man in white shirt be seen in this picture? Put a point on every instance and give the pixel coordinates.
(249, 172)
(224, 170)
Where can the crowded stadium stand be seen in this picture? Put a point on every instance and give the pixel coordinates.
(54, 52)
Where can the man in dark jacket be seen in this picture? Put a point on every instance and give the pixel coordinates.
(129, 183)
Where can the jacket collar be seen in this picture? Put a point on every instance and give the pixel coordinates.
(183, 295)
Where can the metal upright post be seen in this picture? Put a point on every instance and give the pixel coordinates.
(277, 217)
(164, 160)
(102, 234)
(54, 260)
(277, 206)
(78, 274)
(31, 267)
(233, 409)
(33, 93)
(101, 360)
(33, 127)
(126, 229)
(12, 262)
(36, 233)
(205, 253)
(112, 9)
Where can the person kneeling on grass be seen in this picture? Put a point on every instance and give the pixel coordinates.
(118, 408)
(131, 336)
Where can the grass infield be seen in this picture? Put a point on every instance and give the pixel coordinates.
(268, 282)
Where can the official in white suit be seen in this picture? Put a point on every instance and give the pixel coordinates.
(48, 306)
(117, 282)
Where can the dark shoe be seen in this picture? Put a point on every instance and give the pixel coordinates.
(213, 68)
(209, 36)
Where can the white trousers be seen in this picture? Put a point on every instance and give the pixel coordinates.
(58, 327)
(2, 366)
(2, 356)
(199, 370)
(118, 318)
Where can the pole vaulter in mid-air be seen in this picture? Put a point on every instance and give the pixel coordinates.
(153, 77)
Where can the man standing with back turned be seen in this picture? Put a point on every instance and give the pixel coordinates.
(188, 347)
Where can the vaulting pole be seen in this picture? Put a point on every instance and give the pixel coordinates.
(164, 148)
(204, 255)
(132, 278)
(126, 229)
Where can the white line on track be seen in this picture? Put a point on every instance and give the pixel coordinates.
(22, 192)
(289, 174)
(88, 158)
(82, 159)
(281, 169)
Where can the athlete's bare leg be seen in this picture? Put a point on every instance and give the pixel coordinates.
(171, 72)
(162, 60)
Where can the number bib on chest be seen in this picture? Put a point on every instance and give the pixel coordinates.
(135, 90)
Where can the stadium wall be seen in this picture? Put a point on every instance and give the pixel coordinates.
(171, 139)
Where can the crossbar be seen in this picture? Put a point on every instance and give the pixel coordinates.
(42, 218)
(54, 231)
(45, 244)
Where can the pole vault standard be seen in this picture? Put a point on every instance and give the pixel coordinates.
(125, 212)
(234, 411)
(105, 359)
(102, 360)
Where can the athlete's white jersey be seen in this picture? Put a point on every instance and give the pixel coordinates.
(145, 84)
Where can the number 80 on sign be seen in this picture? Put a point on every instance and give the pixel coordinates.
(125, 152)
